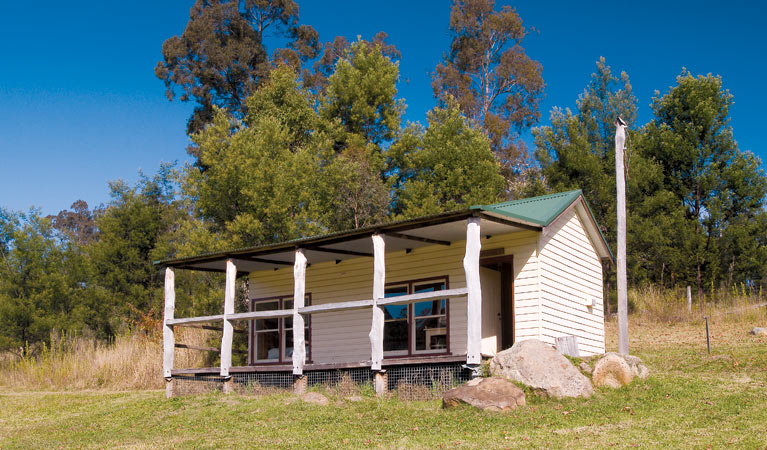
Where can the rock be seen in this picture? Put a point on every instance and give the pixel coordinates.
(315, 398)
(637, 367)
(540, 366)
(757, 331)
(612, 371)
(354, 398)
(489, 394)
(585, 368)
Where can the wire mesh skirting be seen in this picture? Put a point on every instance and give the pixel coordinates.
(425, 381)
(196, 384)
(406, 382)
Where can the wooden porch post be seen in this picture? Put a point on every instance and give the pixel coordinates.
(299, 293)
(474, 296)
(226, 339)
(168, 339)
(379, 279)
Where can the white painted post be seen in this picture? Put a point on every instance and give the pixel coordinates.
(379, 279)
(168, 338)
(689, 299)
(299, 293)
(620, 182)
(226, 339)
(474, 297)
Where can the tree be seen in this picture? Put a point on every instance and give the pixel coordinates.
(717, 185)
(78, 224)
(221, 57)
(445, 167)
(43, 285)
(261, 184)
(362, 92)
(488, 72)
(317, 79)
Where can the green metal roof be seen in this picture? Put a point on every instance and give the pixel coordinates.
(538, 210)
(534, 212)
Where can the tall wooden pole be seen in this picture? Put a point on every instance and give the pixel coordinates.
(623, 324)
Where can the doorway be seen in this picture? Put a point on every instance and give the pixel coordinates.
(498, 278)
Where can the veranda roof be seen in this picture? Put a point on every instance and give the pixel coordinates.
(535, 213)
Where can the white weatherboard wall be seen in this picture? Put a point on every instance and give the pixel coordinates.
(342, 336)
(571, 276)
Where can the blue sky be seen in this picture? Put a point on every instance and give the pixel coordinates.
(80, 105)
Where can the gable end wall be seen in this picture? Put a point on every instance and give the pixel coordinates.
(571, 274)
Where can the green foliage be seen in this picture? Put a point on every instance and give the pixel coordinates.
(488, 72)
(445, 167)
(43, 284)
(362, 93)
(263, 174)
(221, 57)
(720, 189)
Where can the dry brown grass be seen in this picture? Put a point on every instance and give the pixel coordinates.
(76, 363)
(653, 304)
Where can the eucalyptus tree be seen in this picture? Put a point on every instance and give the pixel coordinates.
(489, 74)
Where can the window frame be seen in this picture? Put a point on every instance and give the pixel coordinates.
(411, 351)
(281, 299)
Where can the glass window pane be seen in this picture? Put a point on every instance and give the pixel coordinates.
(395, 335)
(395, 312)
(288, 323)
(395, 291)
(429, 308)
(267, 345)
(267, 324)
(270, 305)
(287, 304)
(430, 334)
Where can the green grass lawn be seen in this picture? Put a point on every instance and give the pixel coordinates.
(692, 400)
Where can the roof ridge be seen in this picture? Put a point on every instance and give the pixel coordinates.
(532, 199)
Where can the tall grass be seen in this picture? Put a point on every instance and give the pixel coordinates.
(665, 305)
(75, 363)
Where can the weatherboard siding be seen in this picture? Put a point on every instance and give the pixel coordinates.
(339, 337)
(571, 275)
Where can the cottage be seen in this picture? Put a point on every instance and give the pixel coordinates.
(447, 290)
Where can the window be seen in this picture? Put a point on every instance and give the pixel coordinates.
(272, 339)
(419, 327)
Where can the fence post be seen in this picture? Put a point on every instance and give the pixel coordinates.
(689, 299)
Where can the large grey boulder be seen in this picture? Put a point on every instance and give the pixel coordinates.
(757, 331)
(489, 394)
(615, 370)
(540, 366)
